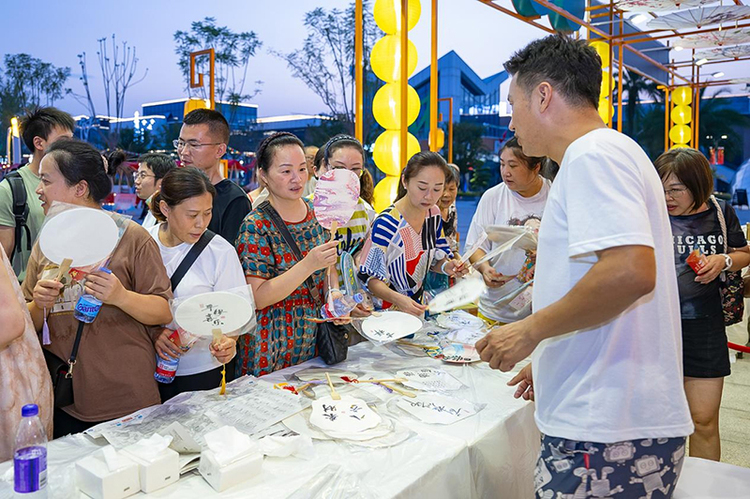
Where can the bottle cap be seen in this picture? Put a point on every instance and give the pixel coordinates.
(29, 410)
(358, 297)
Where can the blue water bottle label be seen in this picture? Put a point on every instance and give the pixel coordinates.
(87, 308)
(30, 469)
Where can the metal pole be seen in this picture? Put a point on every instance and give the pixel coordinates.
(697, 122)
(620, 64)
(666, 119)
(434, 79)
(359, 107)
(404, 80)
(211, 74)
(611, 65)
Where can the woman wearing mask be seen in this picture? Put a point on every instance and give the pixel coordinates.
(697, 227)
(183, 208)
(406, 239)
(286, 289)
(518, 201)
(135, 296)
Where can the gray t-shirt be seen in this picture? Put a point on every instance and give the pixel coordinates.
(34, 220)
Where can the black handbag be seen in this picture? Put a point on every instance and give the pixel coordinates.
(62, 372)
(731, 286)
(332, 340)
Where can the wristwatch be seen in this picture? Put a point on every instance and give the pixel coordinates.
(727, 262)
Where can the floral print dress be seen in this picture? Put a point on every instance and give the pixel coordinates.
(283, 337)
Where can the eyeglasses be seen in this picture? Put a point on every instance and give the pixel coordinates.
(141, 175)
(179, 144)
(675, 193)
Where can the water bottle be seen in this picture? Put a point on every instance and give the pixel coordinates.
(30, 456)
(166, 369)
(88, 307)
(340, 307)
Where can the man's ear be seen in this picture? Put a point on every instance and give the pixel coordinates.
(543, 96)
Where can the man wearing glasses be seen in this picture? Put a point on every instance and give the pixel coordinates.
(151, 169)
(203, 141)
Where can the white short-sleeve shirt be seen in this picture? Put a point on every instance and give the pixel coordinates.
(621, 380)
(217, 268)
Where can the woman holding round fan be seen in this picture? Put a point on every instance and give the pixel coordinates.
(407, 240)
(183, 206)
(286, 270)
(114, 372)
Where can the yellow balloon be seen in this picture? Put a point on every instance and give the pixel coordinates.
(681, 115)
(606, 110)
(608, 82)
(682, 96)
(386, 152)
(385, 58)
(602, 48)
(680, 146)
(440, 139)
(385, 192)
(680, 134)
(386, 106)
(387, 15)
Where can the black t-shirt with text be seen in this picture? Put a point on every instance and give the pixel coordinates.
(231, 206)
(702, 231)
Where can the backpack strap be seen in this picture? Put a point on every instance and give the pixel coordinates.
(20, 212)
(190, 258)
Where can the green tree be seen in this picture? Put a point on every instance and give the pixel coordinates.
(27, 82)
(326, 60)
(635, 87)
(233, 52)
(469, 152)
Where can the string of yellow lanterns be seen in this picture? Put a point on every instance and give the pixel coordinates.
(606, 108)
(682, 114)
(385, 60)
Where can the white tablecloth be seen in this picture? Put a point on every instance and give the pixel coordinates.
(488, 455)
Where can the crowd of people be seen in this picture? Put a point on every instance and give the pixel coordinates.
(627, 337)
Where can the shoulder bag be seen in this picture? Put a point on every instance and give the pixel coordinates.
(731, 287)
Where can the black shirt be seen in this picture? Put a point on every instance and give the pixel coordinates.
(702, 231)
(231, 206)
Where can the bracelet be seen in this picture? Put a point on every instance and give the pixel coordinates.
(442, 267)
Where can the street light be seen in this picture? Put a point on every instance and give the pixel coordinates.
(718, 74)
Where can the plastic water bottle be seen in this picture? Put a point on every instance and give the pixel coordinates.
(341, 306)
(87, 307)
(166, 369)
(30, 457)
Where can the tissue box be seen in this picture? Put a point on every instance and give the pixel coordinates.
(159, 472)
(95, 479)
(221, 478)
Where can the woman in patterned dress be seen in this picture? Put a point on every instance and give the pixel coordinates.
(406, 240)
(282, 297)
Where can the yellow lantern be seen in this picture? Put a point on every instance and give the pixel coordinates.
(192, 104)
(386, 106)
(608, 82)
(385, 58)
(385, 192)
(680, 134)
(387, 15)
(440, 139)
(681, 115)
(680, 146)
(386, 152)
(602, 48)
(682, 96)
(606, 110)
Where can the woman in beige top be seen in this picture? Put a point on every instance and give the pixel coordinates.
(114, 372)
(23, 373)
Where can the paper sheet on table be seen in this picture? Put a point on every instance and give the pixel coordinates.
(433, 408)
(250, 405)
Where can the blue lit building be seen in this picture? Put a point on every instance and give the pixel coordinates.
(240, 116)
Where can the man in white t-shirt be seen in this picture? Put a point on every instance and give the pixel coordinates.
(605, 332)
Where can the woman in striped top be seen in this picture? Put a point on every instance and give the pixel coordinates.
(406, 239)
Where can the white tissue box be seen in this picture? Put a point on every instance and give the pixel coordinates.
(222, 478)
(159, 472)
(95, 479)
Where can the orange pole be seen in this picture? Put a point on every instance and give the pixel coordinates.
(697, 122)
(449, 100)
(611, 61)
(404, 79)
(619, 83)
(211, 73)
(434, 79)
(666, 119)
(359, 106)
(512, 14)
